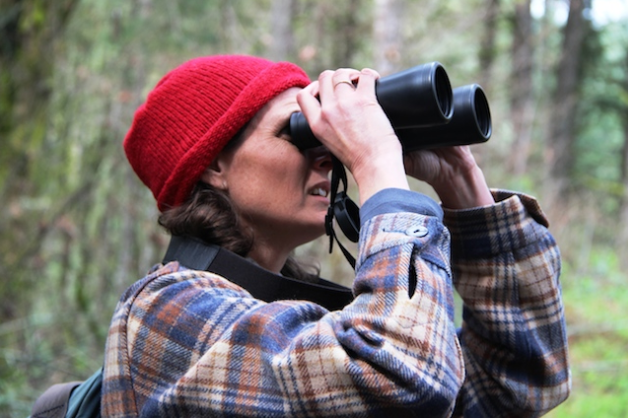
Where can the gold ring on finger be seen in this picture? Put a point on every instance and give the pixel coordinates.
(344, 82)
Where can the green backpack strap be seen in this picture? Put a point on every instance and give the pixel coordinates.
(70, 400)
(85, 399)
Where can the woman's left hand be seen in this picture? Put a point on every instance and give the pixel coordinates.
(454, 175)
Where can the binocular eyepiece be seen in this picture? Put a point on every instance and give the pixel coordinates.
(423, 110)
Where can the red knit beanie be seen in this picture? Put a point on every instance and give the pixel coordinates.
(193, 112)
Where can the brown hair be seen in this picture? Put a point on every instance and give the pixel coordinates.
(208, 214)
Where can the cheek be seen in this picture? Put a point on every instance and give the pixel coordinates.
(266, 183)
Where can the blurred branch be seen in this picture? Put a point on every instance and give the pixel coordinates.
(587, 330)
(47, 225)
(602, 366)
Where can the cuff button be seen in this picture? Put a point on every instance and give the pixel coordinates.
(417, 231)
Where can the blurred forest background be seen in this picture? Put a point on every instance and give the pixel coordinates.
(77, 227)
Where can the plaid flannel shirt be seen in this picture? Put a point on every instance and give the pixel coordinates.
(191, 343)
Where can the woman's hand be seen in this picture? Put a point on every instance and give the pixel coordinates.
(342, 111)
(454, 175)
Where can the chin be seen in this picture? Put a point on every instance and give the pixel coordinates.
(312, 232)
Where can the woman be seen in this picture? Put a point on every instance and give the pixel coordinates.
(212, 144)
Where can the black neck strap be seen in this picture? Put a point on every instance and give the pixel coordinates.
(344, 209)
(260, 283)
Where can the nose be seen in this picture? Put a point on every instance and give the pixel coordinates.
(320, 158)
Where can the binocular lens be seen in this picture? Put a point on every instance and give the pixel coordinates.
(443, 92)
(483, 113)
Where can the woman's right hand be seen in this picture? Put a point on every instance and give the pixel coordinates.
(342, 111)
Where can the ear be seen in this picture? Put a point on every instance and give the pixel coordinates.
(216, 174)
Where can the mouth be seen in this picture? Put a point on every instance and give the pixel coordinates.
(319, 191)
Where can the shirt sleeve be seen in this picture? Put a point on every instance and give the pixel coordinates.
(506, 269)
(191, 343)
(396, 201)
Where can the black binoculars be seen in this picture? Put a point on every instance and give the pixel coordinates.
(423, 109)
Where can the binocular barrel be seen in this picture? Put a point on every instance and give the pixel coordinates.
(419, 96)
(470, 124)
(423, 109)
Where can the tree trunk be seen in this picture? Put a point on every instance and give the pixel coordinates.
(488, 43)
(283, 45)
(30, 33)
(348, 28)
(559, 152)
(521, 97)
(387, 38)
(623, 209)
(624, 182)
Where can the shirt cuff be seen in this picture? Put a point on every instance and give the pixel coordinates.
(399, 200)
(513, 222)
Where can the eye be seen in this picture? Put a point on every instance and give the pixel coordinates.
(284, 132)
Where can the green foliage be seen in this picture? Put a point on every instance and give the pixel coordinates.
(598, 165)
(598, 337)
